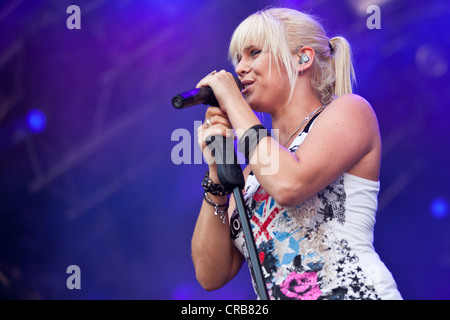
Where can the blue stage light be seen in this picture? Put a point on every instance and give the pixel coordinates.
(439, 208)
(36, 121)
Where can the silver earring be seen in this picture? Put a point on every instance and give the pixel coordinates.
(303, 59)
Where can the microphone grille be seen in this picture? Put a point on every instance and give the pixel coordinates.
(177, 102)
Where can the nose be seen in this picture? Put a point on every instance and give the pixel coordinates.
(243, 67)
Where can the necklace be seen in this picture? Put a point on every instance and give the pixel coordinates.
(303, 122)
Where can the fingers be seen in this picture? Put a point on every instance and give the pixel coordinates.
(224, 87)
(216, 123)
(217, 120)
(206, 81)
(214, 126)
(215, 130)
(205, 134)
(215, 111)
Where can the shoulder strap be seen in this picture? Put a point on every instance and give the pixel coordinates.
(308, 126)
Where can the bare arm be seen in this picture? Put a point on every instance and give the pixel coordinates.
(345, 138)
(216, 259)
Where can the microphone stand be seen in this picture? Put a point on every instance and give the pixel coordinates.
(231, 176)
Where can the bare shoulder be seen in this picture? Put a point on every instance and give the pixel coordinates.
(347, 132)
(351, 113)
(352, 105)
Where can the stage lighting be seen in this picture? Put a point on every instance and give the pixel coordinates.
(439, 208)
(36, 121)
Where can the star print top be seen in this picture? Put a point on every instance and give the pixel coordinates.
(319, 249)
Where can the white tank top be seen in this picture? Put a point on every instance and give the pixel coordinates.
(322, 248)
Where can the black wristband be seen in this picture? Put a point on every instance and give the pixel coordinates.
(249, 141)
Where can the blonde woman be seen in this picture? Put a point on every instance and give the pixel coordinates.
(313, 217)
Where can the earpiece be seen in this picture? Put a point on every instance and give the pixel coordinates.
(303, 59)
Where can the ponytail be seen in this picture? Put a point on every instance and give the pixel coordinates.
(341, 60)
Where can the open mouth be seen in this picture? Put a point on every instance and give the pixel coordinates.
(246, 85)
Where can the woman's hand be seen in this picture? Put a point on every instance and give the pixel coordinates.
(216, 124)
(224, 87)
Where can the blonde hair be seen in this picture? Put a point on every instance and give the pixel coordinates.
(281, 32)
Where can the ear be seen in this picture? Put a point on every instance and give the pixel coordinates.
(305, 58)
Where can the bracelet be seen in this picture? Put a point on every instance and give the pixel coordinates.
(217, 210)
(213, 188)
(249, 141)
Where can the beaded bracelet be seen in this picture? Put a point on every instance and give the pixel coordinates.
(213, 188)
(217, 210)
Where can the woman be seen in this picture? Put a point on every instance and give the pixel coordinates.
(313, 217)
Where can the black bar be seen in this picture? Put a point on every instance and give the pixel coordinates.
(254, 264)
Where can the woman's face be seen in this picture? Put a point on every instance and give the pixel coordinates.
(264, 85)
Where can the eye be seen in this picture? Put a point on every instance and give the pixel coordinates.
(255, 52)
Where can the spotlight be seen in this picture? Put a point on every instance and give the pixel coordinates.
(36, 121)
(439, 208)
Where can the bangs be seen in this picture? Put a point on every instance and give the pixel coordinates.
(261, 30)
(267, 32)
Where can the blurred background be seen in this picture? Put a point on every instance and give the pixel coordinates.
(86, 123)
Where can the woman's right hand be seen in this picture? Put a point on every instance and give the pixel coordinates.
(216, 124)
(216, 259)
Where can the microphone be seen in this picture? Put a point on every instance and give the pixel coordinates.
(203, 95)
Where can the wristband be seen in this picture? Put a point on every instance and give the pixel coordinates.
(249, 141)
(217, 211)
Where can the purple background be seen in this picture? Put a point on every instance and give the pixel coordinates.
(97, 187)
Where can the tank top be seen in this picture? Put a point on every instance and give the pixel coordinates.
(321, 248)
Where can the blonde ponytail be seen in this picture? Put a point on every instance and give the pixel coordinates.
(341, 60)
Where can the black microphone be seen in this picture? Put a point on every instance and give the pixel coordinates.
(203, 95)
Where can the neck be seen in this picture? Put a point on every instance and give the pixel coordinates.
(288, 117)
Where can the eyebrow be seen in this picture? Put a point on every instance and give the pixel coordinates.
(252, 46)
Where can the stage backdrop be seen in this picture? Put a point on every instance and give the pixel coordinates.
(87, 130)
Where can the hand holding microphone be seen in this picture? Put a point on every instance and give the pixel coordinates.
(203, 94)
(216, 131)
(216, 127)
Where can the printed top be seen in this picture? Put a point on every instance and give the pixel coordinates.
(322, 248)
